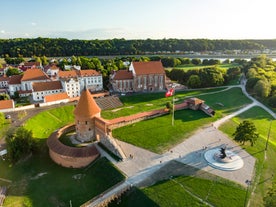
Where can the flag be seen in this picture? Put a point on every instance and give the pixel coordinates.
(169, 92)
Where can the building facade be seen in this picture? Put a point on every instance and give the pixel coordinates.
(140, 77)
(42, 89)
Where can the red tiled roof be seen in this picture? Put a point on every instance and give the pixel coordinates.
(30, 64)
(34, 74)
(6, 104)
(123, 75)
(51, 66)
(152, 67)
(87, 106)
(67, 74)
(15, 79)
(88, 72)
(56, 97)
(47, 86)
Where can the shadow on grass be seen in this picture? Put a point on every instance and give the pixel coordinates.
(134, 198)
(41, 182)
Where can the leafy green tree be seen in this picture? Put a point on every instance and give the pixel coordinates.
(262, 88)
(246, 131)
(270, 198)
(233, 72)
(196, 61)
(272, 101)
(19, 143)
(44, 60)
(4, 97)
(13, 71)
(194, 81)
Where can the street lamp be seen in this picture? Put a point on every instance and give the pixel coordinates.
(248, 183)
(268, 135)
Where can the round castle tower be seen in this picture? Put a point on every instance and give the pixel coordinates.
(85, 113)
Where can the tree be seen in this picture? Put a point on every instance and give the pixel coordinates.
(196, 61)
(272, 101)
(13, 71)
(246, 131)
(270, 198)
(194, 81)
(262, 88)
(19, 143)
(4, 96)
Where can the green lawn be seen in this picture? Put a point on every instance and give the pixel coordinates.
(158, 134)
(44, 123)
(145, 102)
(193, 67)
(56, 185)
(177, 192)
(265, 165)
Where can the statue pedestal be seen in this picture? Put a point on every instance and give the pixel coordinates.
(232, 161)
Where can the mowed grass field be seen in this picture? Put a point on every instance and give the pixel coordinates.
(224, 102)
(158, 134)
(43, 124)
(193, 67)
(187, 191)
(39, 182)
(265, 165)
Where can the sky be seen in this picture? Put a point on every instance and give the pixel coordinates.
(138, 19)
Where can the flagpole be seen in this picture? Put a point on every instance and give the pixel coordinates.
(173, 110)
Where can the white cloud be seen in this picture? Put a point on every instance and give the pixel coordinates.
(2, 31)
(27, 35)
(33, 24)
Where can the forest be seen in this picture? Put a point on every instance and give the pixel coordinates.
(60, 47)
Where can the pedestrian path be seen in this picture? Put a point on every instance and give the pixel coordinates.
(142, 163)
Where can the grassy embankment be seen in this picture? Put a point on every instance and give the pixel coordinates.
(38, 181)
(224, 104)
(158, 134)
(265, 159)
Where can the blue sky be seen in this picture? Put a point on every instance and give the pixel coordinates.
(138, 19)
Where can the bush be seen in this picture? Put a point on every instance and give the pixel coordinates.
(20, 143)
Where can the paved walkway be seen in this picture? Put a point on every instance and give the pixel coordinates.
(142, 163)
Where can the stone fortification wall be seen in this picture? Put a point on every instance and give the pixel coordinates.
(70, 156)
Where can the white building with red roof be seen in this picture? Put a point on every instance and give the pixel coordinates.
(42, 89)
(74, 81)
(70, 82)
(4, 82)
(30, 65)
(31, 76)
(146, 77)
(15, 84)
(51, 70)
(91, 79)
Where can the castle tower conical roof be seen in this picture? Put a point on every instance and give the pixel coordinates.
(86, 107)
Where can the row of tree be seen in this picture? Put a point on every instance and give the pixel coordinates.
(261, 79)
(60, 47)
(205, 77)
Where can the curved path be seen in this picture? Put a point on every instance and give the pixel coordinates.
(145, 163)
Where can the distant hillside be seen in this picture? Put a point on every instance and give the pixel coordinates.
(64, 47)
